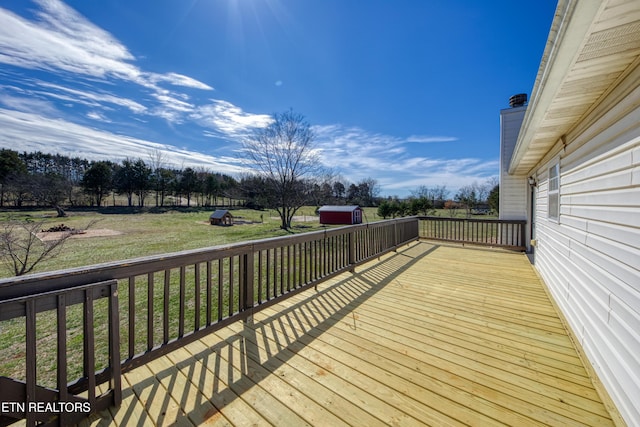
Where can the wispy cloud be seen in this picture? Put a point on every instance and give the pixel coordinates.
(95, 115)
(31, 104)
(95, 98)
(425, 139)
(179, 80)
(60, 40)
(63, 42)
(94, 77)
(32, 132)
(360, 154)
(227, 119)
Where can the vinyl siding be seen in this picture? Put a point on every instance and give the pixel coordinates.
(590, 257)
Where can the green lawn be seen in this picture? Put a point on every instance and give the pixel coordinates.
(169, 230)
(154, 233)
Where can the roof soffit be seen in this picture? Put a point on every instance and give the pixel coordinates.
(590, 46)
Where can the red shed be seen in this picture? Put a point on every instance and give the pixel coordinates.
(340, 215)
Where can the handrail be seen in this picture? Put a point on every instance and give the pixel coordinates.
(479, 231)
(23, 395)
(169, 300)
(47, 281)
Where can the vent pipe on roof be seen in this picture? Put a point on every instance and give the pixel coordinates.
(518, 100)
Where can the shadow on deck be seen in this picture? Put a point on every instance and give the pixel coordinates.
(430, 335)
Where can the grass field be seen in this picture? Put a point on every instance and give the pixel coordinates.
(149, 233)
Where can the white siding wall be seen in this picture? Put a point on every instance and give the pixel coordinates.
(513, 189)
(590, 258)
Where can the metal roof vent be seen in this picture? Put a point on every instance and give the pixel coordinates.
(518, 100)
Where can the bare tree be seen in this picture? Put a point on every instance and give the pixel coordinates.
(21, 249)
(467, 197)
(485, 189)
(436, 195)
(482, 190)
(283, 153)
(369, 191)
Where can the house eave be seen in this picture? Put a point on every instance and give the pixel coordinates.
(590, 45)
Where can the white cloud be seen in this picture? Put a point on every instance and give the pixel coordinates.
(94, 99)
(95, 115)
(429, 139)
(358, 154)
(179, 80)
(32, 104)
(173, 103)
(31, 132)
(353, 152)
(228, 119)
(63, 40)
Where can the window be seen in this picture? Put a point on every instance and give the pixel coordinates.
(554, 191)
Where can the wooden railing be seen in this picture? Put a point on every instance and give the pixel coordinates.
(158, 303)
(27, 398)
(488, 232)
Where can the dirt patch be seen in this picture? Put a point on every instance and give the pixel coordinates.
(236, 221)
(302, 218)
(98, 232)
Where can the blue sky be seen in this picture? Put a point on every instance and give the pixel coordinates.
(405, 92)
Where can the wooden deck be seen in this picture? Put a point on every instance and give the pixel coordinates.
(431, 335)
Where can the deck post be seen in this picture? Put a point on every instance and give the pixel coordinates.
(114, 344)
(395, 235)
(246, 283)
(352, 251)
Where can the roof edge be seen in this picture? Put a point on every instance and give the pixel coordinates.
(570, 24)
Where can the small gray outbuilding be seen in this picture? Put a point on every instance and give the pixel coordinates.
(221, 217)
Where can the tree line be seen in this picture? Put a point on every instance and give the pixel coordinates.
(286, 173)
(42, 179)
(473, 198)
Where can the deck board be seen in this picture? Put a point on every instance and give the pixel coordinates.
(431, 335)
